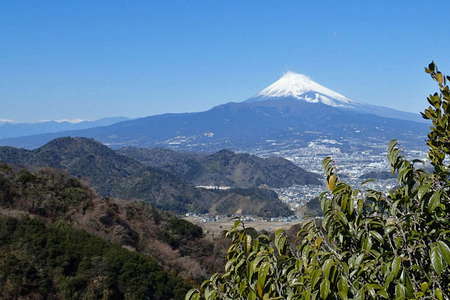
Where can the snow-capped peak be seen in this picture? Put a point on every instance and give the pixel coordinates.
(302, 87)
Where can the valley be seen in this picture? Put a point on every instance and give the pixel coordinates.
(224, 150)
(214, 227)
(353, 167)
(259, 158)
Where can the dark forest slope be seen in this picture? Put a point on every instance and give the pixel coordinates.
(54, 197)
(112, 174)
(224, 168)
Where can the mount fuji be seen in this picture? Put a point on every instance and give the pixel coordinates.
(301, 87)
(291, 112)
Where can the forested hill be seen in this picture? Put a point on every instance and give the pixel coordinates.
(58, 236)
(74, 264)
(224, 168)
(113, 174)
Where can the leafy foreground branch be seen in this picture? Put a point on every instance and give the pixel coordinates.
(370, 244)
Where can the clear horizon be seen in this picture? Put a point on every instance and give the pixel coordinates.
(93, 60)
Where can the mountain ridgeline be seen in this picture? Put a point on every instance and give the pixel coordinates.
(116, 175)
(289, 113)
(224, 168)
(246, 126)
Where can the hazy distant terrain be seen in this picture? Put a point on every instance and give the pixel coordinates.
(245, 126)
(290, 113)
(18, 129)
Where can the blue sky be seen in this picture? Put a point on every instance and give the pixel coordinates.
(93, 59)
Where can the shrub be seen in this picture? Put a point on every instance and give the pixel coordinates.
(370, 244)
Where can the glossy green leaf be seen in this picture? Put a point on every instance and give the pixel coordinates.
(280, 240)
(192, 295)
(423, 189)
(262, 275)
(328, 264)
(396, 266)
(424, 286)
(444, 249)
(438, 293)
(435, 200)
(324, 289)
(343, 288)
(400, 293)
(436, 260)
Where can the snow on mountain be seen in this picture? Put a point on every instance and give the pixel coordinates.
(73, 121)
(298, 86)
(302, 87)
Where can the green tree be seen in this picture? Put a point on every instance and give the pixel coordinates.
(370, 244)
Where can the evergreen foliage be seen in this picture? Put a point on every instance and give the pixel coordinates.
(53, 196)
(224, 168)
(370, 244)
(115, 175)
(39, 261)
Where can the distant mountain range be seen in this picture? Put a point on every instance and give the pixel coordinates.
(10, 129)
(224, 168)
(116, 175)
(289, 113)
